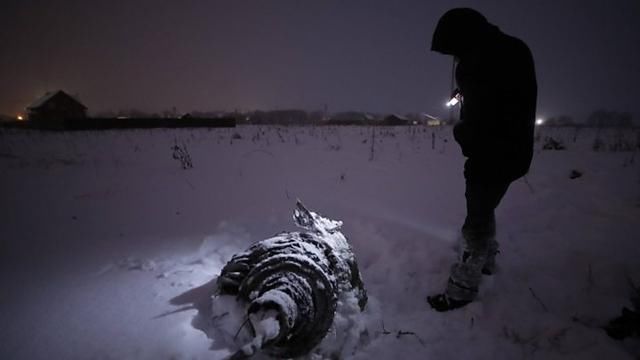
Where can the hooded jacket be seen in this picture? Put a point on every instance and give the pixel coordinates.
(496, 78)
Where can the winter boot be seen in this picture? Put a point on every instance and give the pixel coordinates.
(465, 276)
(489, 267)
(462, 286)
(442, 302)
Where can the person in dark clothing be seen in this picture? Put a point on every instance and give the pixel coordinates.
(496, 81)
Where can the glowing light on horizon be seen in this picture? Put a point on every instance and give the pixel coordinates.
(20, 117)
(539, 121)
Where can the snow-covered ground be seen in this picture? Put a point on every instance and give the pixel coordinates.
(107, 244)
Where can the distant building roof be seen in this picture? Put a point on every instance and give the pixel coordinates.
(50, 95)
(430, 117)
(400, 117)
(353, 115)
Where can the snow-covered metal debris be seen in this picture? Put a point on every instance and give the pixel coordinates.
(291, 284)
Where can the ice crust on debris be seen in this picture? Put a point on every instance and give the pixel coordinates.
(282, 300)
(266, 328)
(300, 276)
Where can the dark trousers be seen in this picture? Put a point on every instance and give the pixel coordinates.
(479, 248)
(483, 197)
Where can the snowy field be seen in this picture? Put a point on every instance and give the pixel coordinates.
(107, 243)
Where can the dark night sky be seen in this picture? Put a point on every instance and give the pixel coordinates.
(359, 54)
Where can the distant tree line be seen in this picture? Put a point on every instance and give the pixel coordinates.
(301, 117)
(605, 118)
(598, 118)
(284, 117)
(562, 120)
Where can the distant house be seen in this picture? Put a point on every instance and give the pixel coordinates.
(432, 120)
(282, 117)
(352, 118)
(395, 120)
(56, 105)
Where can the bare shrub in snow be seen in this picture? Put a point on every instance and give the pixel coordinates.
(552, 144)
(575, 174)
(621, 143)
(598, 144)
(181, 153)
(372, 152)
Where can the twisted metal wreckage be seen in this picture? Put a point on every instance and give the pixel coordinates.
(291, 283)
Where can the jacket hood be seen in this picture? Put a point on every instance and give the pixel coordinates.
(459, 31)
